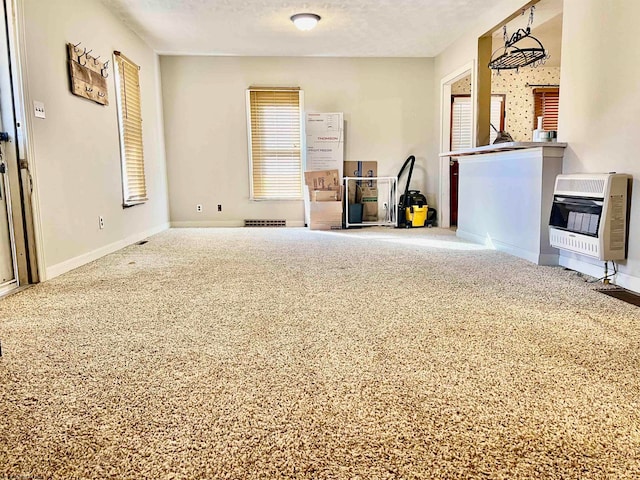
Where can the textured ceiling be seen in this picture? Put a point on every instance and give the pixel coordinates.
(349, 28)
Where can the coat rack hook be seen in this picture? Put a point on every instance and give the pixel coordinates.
(80, 55)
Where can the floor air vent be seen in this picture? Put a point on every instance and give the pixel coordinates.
(622, 294)
(265, 223)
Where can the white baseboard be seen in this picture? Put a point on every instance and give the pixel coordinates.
(578, 265)
(208, 224)
(623, 280)
(533, 257)
(627, 281)
(225, 223)
(472, 237)
(75, 262)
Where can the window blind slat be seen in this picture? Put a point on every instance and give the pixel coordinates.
(496, 117)
(127, 76)
(461, 123)
(276, 160)
(546, 104)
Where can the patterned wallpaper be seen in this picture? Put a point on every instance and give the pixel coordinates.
(519, 111)
(462, 86)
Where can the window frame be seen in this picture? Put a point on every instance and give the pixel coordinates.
(543, 97)
(465, 96)
(465, 99)
(131, 196)
(301, 143)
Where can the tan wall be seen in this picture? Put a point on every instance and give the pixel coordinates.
(600, 99)
(464, 49)
(387, 105)
(75, 150)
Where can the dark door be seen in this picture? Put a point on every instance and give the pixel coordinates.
(453, 197)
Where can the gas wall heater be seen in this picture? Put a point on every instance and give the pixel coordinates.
(589, 215)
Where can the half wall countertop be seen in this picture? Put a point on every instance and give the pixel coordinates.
(502, 147)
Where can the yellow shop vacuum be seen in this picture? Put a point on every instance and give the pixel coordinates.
(413, 210)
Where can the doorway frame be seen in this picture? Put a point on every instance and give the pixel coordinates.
(24, 190)
(469, 68)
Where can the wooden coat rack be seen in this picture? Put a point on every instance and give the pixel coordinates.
(88, 74)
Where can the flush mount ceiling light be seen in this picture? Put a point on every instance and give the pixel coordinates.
(305, 21)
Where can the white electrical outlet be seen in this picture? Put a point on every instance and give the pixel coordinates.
(198, 208)
(38, 110)
(101, 222)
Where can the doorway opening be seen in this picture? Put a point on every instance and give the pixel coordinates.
(17, 259)
(448, 164)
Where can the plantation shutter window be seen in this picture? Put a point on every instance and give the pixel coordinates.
(461, 123)
(546, 101)
(497, 116)
(461, 120)
(127, 75)
(275, 138)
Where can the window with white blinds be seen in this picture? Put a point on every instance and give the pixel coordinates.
(497, 116)
(546, 102)
(462, 124)
(275, 138)
(127, 75)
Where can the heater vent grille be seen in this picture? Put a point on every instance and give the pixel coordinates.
(574, 243)
(265, 223)
(587, 187)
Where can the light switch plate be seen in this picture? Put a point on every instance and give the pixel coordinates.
(38, 108)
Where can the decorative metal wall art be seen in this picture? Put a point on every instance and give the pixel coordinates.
(88, 75)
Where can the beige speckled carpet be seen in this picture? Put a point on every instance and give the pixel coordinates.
(285, 353)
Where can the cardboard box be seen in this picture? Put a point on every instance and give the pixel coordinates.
(323, 180)
(360, 169)
(325, 205)
(363, 191)
(325, 215)
(325, 195)
(369, 199)
(354, 192)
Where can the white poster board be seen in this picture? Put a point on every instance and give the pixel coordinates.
(325, 141)
(324, 146)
